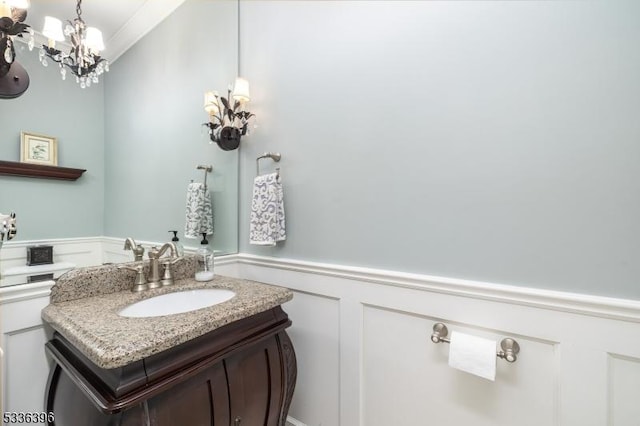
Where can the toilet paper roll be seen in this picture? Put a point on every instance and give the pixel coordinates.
(473, 355)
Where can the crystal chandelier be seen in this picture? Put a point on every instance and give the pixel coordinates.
(84, 59)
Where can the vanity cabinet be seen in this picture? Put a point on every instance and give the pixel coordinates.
(241, 374)
(23, 373)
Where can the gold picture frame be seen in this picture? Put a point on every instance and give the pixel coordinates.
(38, 149)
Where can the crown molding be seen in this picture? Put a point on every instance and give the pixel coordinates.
(139, 25)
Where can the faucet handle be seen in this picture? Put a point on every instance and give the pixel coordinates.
(140, 282)
(138, 252)
(153, 252)
(167, 277)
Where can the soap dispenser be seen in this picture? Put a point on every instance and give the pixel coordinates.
(204, 268)
(176, 241)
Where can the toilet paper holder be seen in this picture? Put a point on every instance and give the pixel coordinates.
(509, 352)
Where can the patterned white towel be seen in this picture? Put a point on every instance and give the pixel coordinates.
(267, 211)
(199, 217)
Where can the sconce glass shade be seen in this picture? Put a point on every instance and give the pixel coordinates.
(52, 29)
(93, 39)
(210, 103)
(241, 90)
(5, 10)
(6, 5)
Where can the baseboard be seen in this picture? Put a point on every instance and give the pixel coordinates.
(597, 306)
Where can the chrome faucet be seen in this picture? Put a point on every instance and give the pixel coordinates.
(138, 251)
(154, 280)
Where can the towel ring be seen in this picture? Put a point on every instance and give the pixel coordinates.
(207, 169)
(275, 156)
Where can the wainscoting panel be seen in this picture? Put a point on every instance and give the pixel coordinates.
(579, 363)
(27, 369)
(624, 381)
(24, 368)
(407, 377)
(316, 337)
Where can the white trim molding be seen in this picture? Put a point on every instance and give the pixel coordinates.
(76, 240)
(143, 21)
(22, 292)
(597, 306)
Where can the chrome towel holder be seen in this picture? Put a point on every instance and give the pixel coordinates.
(207, 169)
(275, 156)
(509, 352)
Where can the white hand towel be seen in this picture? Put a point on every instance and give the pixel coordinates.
(199, 215)
(473, 354)
(267, 211)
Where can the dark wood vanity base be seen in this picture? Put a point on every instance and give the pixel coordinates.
(242, 374)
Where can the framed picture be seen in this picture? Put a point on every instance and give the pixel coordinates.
(38, 149)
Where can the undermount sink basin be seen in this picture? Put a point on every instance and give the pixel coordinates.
(177, 303)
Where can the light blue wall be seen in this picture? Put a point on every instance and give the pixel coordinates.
(154, 138)
(493, 141)
(49, 208)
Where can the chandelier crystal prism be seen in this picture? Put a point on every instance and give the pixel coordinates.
(83, 60)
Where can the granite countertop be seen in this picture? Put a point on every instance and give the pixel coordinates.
(92, 324)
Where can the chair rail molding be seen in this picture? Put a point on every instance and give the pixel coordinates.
(592, 305)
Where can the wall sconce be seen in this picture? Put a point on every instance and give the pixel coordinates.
(14, 79)
(228, 118)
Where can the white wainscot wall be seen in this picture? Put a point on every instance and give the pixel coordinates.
(365, 357)
(24, 366)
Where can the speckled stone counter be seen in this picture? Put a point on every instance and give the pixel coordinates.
(85, 308)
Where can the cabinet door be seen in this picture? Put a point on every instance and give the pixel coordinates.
(25, 366)
(255, 385)
(202, 400)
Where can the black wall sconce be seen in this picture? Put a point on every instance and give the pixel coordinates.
(228, 117)
(14, 80)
